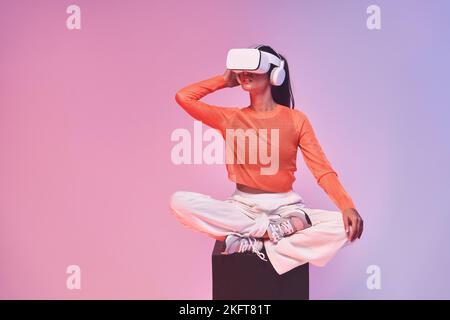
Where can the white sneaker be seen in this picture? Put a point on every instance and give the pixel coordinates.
(237, 244)
(280, 228)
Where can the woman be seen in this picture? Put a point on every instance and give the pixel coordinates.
(264, 211)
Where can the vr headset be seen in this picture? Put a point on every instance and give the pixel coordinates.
(256, 61)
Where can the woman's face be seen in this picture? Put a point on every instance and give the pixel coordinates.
(253, 81)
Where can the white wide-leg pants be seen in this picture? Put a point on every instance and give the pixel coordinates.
(248, 214)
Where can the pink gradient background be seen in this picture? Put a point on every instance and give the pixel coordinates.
(86, 117)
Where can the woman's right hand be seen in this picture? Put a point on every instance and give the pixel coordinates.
(230, 78)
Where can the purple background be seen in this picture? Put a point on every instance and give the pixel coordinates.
(86, 117)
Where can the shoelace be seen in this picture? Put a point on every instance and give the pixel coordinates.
(246, 243)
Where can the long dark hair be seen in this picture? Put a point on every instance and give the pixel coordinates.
(281, 94)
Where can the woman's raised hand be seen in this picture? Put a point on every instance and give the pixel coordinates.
(230, 78)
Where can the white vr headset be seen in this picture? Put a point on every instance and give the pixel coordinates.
(256, 61)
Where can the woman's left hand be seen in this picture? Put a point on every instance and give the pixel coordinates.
(353, 223)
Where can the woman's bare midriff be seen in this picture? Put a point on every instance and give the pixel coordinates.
(247, 189)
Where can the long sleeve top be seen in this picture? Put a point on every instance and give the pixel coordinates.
(279, 134)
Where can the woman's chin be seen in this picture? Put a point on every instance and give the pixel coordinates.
(246, 87)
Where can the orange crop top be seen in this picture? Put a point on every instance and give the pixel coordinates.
(294, 130)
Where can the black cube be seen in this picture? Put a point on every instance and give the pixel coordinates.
(244, 276)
